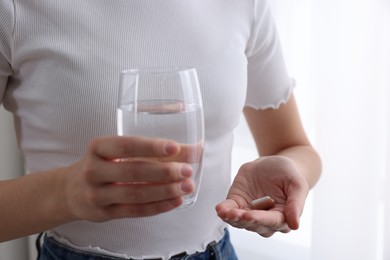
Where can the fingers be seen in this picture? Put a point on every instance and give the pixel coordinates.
(140, 171)
(124, 177)
(117, 147)
(189, 153)
(140, 163)
(128, 193)
(263, 222)
(225, 207)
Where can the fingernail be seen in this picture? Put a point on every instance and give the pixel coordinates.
(186, 170)
(187, 186)
(170, 148)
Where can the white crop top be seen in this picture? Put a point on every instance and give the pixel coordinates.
(59, 75)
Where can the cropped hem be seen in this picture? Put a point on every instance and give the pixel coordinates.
(103, 251)
(278, 102)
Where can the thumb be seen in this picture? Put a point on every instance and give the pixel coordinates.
(294, 209)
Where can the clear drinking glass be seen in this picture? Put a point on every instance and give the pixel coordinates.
(165, 103)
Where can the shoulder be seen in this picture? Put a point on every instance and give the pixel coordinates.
(263, 31)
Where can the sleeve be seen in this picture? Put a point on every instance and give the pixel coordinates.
(6, 33)
(269, 84)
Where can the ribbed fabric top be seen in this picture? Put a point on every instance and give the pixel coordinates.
(59, 75)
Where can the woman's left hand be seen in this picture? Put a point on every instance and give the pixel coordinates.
(275, 176)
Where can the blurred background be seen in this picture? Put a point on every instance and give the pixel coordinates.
(338, 51)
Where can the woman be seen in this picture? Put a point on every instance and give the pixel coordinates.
(59, 73)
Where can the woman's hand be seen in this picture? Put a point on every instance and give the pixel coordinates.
(118, 177)
(126, 177)
(274, 176)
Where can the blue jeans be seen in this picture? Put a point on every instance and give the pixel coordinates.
(53, 250)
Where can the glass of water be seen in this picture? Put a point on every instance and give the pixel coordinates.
(165, 103)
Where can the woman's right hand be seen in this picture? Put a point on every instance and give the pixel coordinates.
(118, 177)
(126, 177)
